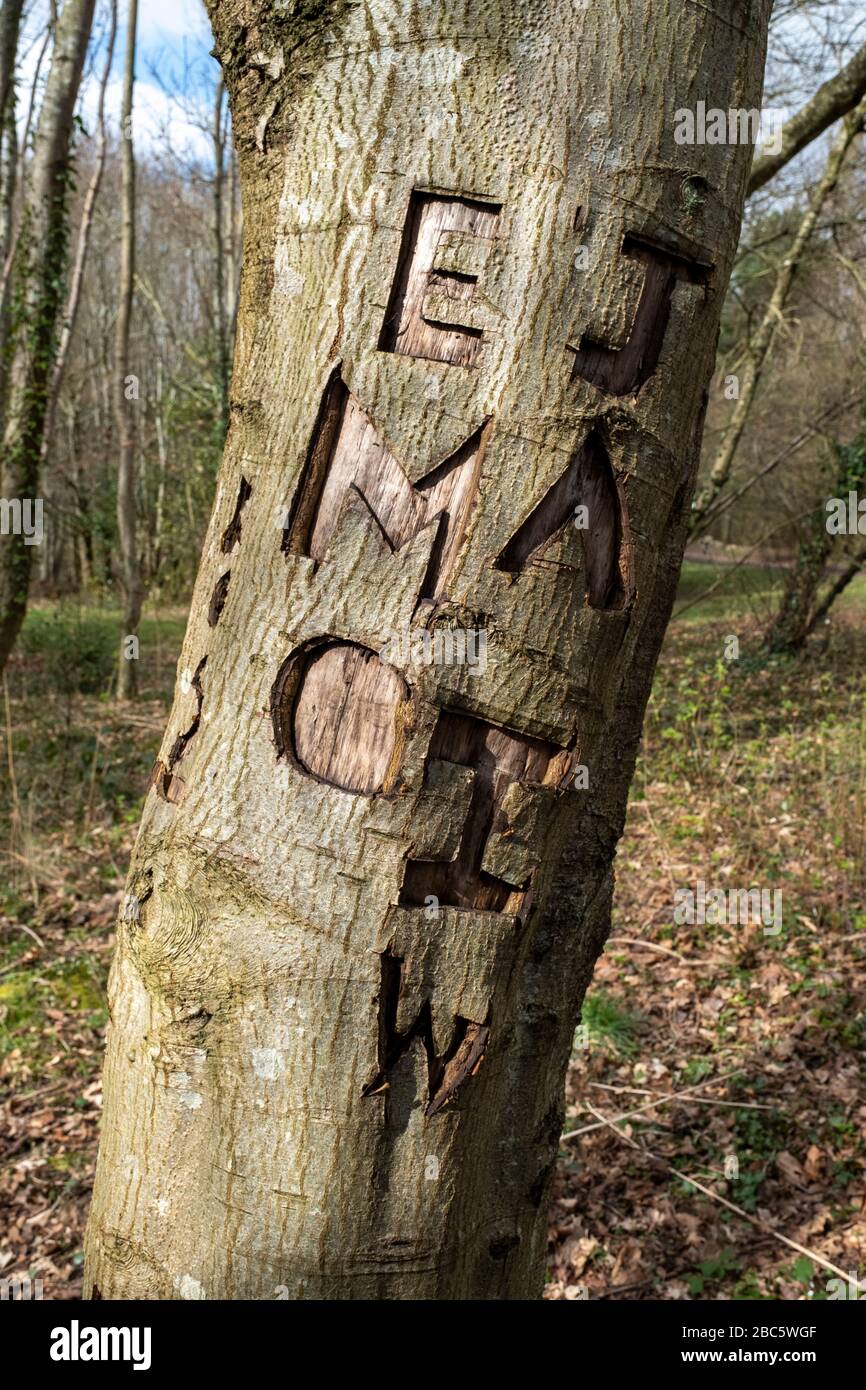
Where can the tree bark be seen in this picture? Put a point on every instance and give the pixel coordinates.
(369, 888)
(792, 623)
(37, 278)
(802, 606)
(8, 214)
(124, 402)
(836, 589)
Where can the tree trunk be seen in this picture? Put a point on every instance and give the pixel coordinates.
(37, 279)
(8, 214)
(125, 401)
(162, 464)
(88, 209)
(760, 347)
(793, 621)
(836, 589)
(802, 605)
(221, 327)
(10, 28)
(370, 887)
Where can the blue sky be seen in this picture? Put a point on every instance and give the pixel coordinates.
(175, 74)
(174, 71)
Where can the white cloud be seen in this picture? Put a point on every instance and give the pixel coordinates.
(162, 20)
(158, 121)
(174, 41)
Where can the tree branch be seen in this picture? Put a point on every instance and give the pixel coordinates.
(834, 98)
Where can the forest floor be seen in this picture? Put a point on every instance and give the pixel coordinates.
(722, 1055)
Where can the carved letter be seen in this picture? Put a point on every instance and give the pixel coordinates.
(620, 372)
(336, 710)
(491, 869)
(232, 533)
(347, 452)
(587, 489)
(168, 785)
(433, 311)
(445, 1071)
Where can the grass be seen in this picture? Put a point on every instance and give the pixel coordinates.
(74, 781)
(608, 1025)
(744, 592)
(29, 998)
(71, 648)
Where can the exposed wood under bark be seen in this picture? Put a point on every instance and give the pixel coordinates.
(232, 534)
(621, 371)
(345, 716)
(434, 310)
(589, 483)
(446, 1073)
(498, 759)
(349, 455)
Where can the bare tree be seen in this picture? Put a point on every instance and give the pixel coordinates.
(85, 227)
(37, 278)
(760, 346)
(10, 28)
(833, 99)
(125, 391)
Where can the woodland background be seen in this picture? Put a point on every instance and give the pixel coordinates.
(705, 1043)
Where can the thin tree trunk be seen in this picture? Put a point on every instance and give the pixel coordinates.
(159, 512)
(369, 889)
(761, 345)
(88, 208)
(82, 534)
(219, 156)
(23, 145)
(724, 504)
(793, 621)
(10, 28)
(8, 211)
(801, 608)
(838, 587)
(124, 404)
(40, 262)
